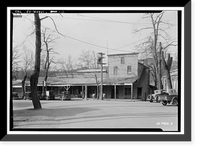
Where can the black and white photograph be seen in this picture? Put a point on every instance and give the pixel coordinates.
(96, 70)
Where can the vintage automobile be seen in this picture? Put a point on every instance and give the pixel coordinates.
(154, 97)
(65, 95)
(171, 98)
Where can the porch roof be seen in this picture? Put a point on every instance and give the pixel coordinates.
(80, 81)
(120, 80)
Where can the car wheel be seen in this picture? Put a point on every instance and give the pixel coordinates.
(175, 102)
(164, 103)
(149, 97)
(157, 99)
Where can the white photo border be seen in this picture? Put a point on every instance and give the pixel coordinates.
(182, 130)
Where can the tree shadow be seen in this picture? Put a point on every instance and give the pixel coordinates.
(58, 112)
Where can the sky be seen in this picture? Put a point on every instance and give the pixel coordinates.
(110, 33)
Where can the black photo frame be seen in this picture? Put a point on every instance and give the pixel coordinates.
(188, 118)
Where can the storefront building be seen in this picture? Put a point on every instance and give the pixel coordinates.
(123, 78)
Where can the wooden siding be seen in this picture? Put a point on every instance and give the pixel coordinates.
(129, 60)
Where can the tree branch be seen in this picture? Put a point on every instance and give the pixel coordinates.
(44, 18)
(53, 23)
(141, 29)
(27, 37)
(163, 31)
(169, 24)
(164, 37)
(170, 44)
(53, 52)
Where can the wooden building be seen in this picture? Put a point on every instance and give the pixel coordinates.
(123, 78)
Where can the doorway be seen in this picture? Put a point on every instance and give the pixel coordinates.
(139, 92)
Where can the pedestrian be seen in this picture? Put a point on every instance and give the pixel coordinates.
(94, 96)
(104, 95)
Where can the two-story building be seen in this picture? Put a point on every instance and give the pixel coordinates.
(129, 78)
(123, 78)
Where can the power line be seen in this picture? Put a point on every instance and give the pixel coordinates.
(106, 20)
(92, 44)
(110, 20)
(79, 40)
(132, 43)
(100, 20)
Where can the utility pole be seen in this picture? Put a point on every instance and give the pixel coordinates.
(100, 61)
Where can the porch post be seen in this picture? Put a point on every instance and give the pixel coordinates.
(124, 91)
(82, 91)
(115, 90)
(131, 91)
(85, 92)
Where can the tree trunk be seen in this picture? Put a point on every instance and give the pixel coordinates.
(160, 86)
(97, 95)
(97, 91)
(167, 67)
(168, 79)
(35, 75)
(44, 89)
(23, 86)
(34, 93)
(156, 56)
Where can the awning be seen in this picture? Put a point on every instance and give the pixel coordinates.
(120, 81)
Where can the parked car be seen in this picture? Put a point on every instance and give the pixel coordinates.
(65, 95)
(154, 97)
(171, 98)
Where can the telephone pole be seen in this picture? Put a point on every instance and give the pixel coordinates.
(100, 61)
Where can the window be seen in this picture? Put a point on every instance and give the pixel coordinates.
(129, 70)
(115, 70)
(122, 60)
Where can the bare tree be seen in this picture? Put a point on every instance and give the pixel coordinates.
(153, 49)
(48, 39)
(67, 66)
(94, 60)
(27, 66)
(15, 61)
(167, 63)
(88, 59)
(34, 77)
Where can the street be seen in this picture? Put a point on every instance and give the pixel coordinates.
(79, 113)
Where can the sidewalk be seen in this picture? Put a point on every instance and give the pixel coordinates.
(120, 100)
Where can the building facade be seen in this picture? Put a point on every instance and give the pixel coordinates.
(123, 78)
(123, 65)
